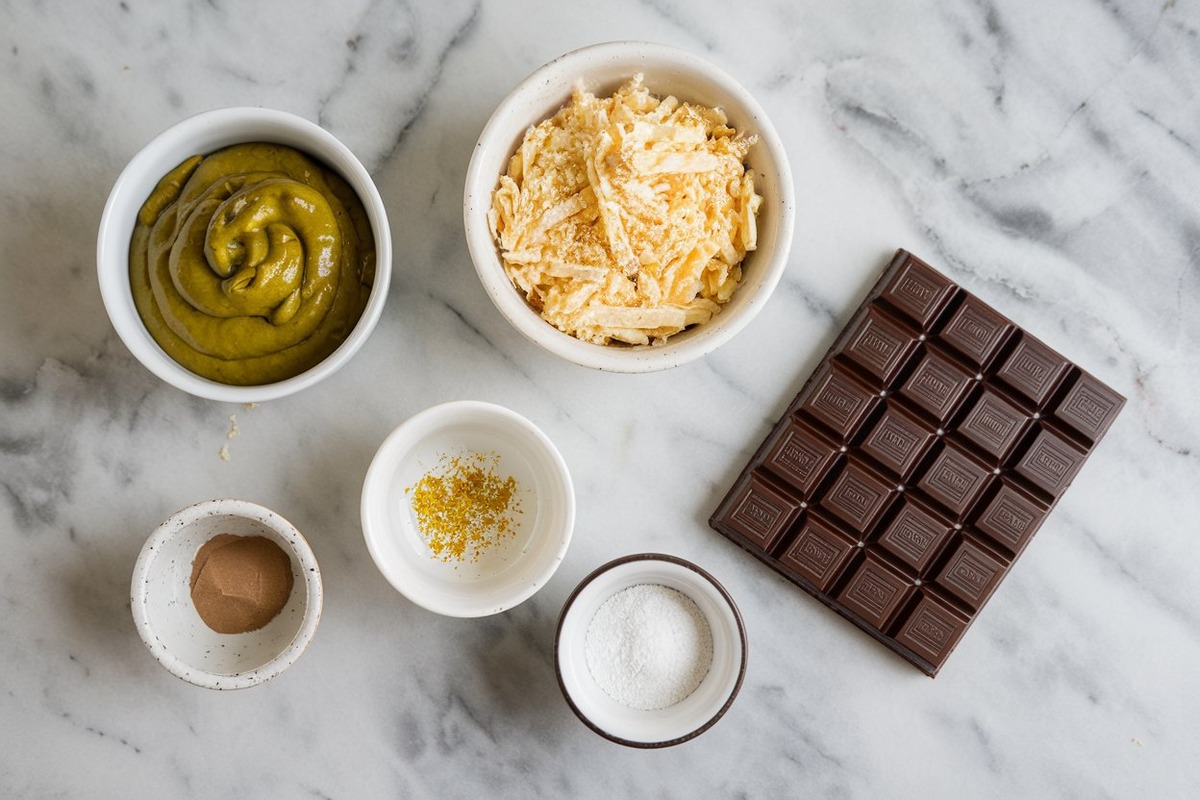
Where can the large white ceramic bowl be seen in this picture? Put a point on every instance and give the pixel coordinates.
(503, 576)
(691, 716)
(172, 629)
(602, 68)
(201, 134)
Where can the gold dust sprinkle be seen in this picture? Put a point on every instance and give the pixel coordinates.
(463, 507)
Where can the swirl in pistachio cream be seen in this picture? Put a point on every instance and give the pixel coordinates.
(252, 264)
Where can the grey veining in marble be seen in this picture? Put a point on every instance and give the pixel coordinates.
(1047, 155)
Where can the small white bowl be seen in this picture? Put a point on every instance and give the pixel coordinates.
(691, 716)
(503, 576)
(171, 627)
(198, 135)
(602, 68)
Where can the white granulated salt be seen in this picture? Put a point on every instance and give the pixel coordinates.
(648, 646)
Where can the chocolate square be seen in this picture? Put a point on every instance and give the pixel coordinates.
(971, 574)
(800, 456)
(1010, 518)
(898, 441)
(937, 385)
(954, 480)
(1050, 463)
(839, 400)
(932, 630)
(1033, 369)
(818, 554)
(759, 512)
(994, 425)
(976, 331)
(875, 592)
(879, 345)
(915, 535)
(917, 290)
(1089, 407)
(857, 497)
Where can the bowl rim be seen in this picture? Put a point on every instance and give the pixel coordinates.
(115, 291)
(508, 301)
(298, 547)
(412, 430)
(700, 573)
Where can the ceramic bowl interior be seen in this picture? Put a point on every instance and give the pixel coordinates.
(172, 629)
(201, 134)
(502, 576)
(602, 69)
(691, 716)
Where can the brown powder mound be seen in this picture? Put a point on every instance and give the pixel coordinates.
(240, 583)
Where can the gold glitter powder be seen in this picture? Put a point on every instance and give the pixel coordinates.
(463, 507)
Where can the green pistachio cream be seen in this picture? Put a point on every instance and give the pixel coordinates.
(251, 264)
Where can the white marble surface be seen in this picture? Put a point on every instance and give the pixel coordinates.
(1044, 154)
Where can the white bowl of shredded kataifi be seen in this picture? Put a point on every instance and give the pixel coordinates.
(629, 207)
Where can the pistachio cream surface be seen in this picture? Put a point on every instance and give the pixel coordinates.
(251, 264)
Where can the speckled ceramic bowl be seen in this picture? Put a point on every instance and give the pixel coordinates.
(602, 68)
(691, 716)
(172, 629)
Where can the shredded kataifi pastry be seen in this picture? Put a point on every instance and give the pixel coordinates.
(626, 219)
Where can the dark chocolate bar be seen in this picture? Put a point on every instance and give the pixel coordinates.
(917, 462)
